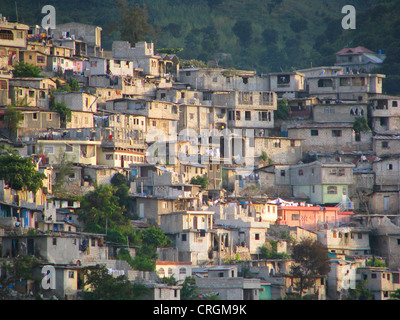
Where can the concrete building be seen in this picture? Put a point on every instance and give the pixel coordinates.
(210, 79)
(13, 38)
(341, 278)
(311, 217)
(90, 35)
(357, 87)
(339, 111)
(287, 85)
(177, 269)
(385, 114)
(322, 183)
(385, 198)
(224, 281)
(191, 232)
(381, 281)
(359, 59)
(351, 241)
(74, 249)
(77, 101)
(330, 137)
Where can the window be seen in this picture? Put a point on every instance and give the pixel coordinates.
(283, 173)
(301, 172)
(40, 59)
(336, 133)
(360, 236)
(373, 275)
(329, 110)
(394, 103)
(390, 166)
(314, 133)
(257, 236)
(247, 115)
(35, 116)
(237, 115)
(48, 149)
(263, 116)
(6, 35)
(184, 237)
(323, 83)
(69, 148)
(283, 80)
(54, 241)
(295, 217)
(385, 144)
(332, 190)
(182, 270)
(3, 84)
(71, 274)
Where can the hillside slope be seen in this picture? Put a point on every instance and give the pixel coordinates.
(261, 35)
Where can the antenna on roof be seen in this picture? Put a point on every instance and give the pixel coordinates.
(16, 10)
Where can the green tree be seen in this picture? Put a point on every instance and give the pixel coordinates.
(201, 181)
(360, 292)
(272, 252)
(106, 287)
(395, 295)
(62, 109)
(311, 260)
(101, 207)
(26, 70)
(155, 237)
(13, 117)
(270, 36)
(244, 31)
(64, 168)
(361, 125)
(20, 173)
(133, 25)
(118, 179)
(283, 110)
(189, 289)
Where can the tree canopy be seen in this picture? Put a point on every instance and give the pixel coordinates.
(20, 173)
(311, 260)
(26, 70)
(134, 25)
(105, 286)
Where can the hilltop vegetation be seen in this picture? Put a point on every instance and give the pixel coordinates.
(261, 35)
